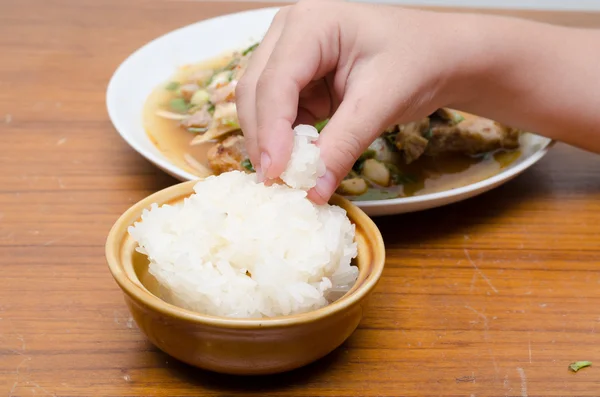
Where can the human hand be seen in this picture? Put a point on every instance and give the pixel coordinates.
(365, 66)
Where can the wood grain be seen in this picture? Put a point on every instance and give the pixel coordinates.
(491, 297)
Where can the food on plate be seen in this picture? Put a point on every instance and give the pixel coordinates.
(193, 120)
(239, 248)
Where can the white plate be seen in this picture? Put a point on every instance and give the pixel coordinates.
(158, 60)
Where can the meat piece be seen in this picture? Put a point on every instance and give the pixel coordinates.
(200, 119)
(410, 139)
(188, 90)
(472, 136)
(445, 132)
(442, 115)
(228, 155)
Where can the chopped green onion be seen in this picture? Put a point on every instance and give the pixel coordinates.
(211, 108)
(247, 165)
(178, 105)
(398, 177)
(321, 124)
(367, 154)
(172, 86)
(197, 130)
(577, 365)
(249, 49)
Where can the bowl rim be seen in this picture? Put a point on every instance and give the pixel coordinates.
(118, 235)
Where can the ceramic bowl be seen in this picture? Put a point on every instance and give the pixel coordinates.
(240, 346)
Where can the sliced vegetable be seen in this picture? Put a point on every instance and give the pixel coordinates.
(197, 130)
(200, 98)
(247, 164)
(250, 49)
(353, 187)
(172, 86)
(377, 172)
(171, 116)
(219, 79)
(577, 365)
(321, 124)
(178, 105)
(384, 151)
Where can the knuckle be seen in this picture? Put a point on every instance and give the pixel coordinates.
(281, 14)
(242, 88)
(347, 149)
(263, 83)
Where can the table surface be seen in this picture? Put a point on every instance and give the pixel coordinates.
(494, 296)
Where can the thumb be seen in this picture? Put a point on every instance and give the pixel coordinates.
(346, 136)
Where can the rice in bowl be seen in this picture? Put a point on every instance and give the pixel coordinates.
(238, 248)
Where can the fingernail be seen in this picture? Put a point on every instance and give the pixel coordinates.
(265, 163)
(259, 175)
(326, 186)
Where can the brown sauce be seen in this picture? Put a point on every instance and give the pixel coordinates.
(427, 174)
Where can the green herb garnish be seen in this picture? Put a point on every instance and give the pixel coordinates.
(398, 177)
(179, 105)
(321, 124)
(577, 365)
(231, 65)
(457, 118)
(197, 130)
(391, 138)
(249, 49)
(368, 154)
(247, 165)
(172, 86)
(211, 108)
(428, 134)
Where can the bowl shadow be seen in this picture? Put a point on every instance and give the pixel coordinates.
(225, 383)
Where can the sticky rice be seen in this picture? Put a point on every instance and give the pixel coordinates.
(238, 248)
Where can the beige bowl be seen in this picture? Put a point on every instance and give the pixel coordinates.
(240, 346)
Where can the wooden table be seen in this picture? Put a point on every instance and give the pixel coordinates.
(491, 297)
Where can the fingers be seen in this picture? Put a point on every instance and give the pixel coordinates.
(302, 54)
(246, 88)
(353, 127)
